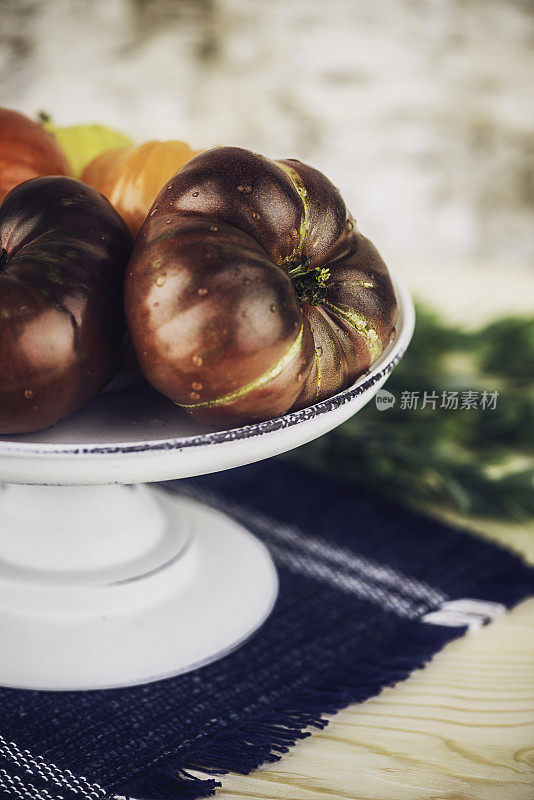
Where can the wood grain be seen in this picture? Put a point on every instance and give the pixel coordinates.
(461, 728)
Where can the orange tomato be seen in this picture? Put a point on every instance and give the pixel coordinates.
(132, 177)
(27, 151)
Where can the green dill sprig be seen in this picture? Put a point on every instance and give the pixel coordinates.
(474, 461)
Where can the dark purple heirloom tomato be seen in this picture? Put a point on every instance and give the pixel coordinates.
(250, 292)
(63, 254)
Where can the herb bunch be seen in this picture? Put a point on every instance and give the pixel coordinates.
(472, 460)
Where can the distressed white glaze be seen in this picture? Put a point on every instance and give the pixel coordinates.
(104, 585)
(138, 436)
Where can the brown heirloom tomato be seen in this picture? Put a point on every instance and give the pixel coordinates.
(250, 292)
(63, 254)
(131, 177)
(26, 151)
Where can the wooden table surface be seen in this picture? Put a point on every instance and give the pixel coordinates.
(461, 728)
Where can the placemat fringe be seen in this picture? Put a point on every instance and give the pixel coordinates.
(369, 592)
(266, 739)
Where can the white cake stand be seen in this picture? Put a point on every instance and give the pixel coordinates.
(104, 584)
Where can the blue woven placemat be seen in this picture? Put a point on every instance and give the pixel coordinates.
(365, 598)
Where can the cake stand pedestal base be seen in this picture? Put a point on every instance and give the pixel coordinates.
(107, 586)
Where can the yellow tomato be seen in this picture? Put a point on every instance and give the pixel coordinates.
(82, 143)
(132, 177)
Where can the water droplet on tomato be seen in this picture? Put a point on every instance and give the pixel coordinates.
(255, 215)
(197, 360)
(197, 386)
(272, 308)
(194, 194)
(160, 280)
(202, 292)
(194, 395)
(28, 394)
(213, 228)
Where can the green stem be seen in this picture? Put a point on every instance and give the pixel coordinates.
(310, 284)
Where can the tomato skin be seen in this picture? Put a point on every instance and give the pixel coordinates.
(27, 151)
(82, 143)
(64, 250)
(250, 292)
(131, 177)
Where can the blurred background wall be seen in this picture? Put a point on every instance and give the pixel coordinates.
(420, 110)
